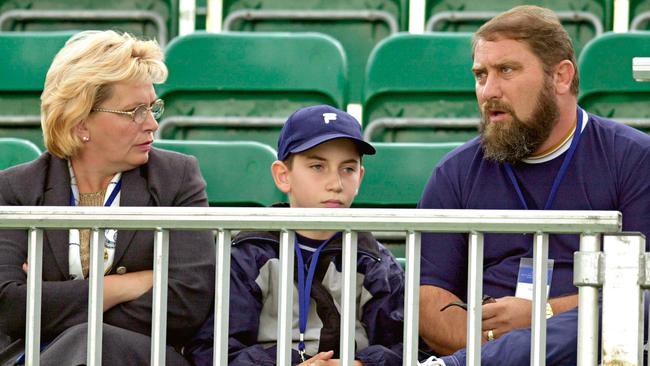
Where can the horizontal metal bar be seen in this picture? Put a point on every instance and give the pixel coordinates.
(459, 16)
(634, 122)
(315, 15)
(31, 121)
(88, 15)
(380, 124)
(195, 218)
(212, 121)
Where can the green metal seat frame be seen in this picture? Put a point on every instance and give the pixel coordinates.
(15, 151)
(243, 86)
(607, 86)
(420, 88)
(236, 173)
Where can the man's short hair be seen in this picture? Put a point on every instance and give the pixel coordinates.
(537, 27)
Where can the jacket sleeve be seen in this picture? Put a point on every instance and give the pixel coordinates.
(246, 302)
(190, 273)
(383, 315)
(64, 303)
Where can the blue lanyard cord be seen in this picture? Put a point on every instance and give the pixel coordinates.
(560, 175)
(111, 197)
(304, 289)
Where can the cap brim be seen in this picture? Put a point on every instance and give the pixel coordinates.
(364, 147)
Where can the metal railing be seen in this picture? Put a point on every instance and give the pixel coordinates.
(224, 220)
(312, 15)
(21, 15)
(465, 16)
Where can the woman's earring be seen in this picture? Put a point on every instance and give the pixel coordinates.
(85, 139)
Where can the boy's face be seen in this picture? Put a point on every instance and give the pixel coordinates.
(327, 175)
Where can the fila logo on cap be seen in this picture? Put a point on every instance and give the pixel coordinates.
(327, 117)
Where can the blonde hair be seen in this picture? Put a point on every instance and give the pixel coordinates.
(81, 77)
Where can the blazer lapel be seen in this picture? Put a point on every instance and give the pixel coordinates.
(57, 193)
(135, 192)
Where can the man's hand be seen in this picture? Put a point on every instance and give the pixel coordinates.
(325, 359)
(509, 313)
(506, 314)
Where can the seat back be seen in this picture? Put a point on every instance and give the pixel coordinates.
(243, 86)
(583, 19)
(420, 88)
(15, 151)
(236, 173)
(358, 24)
(607, 87)
(397, 174)
(151, 19)
(26, 57)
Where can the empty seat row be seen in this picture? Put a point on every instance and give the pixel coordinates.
(239, 173)
(359, 25)
(242, 86)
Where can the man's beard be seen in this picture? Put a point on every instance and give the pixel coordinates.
(514, 140)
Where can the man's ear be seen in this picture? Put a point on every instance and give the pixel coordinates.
(563, 77)
(280, 172)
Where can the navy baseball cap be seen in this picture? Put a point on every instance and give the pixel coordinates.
(311, 126)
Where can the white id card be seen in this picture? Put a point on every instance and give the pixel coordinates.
(525, 278)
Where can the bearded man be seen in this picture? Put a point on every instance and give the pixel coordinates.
(537, 150)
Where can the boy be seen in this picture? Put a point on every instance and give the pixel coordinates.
(320, 150)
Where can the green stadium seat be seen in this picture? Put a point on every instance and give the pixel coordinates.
(607, 87)
(243, 86)
(583, 19)
(26, 57)
(16, 151)
(236, 173)
(420, 88)
(397, 174)
(148, 19)
(358, 24)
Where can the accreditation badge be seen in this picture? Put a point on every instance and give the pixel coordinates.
(525, 278)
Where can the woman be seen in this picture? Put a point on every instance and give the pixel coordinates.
(99, 111)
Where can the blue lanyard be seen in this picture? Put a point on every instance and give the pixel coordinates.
(563, 168)
(111, 197)
(304, 289)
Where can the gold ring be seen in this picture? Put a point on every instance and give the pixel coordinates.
(490, 335)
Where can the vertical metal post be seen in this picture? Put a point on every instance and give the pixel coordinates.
(186, 17)
(95, 299)
(213, 22)
(159, 316)
(33, 316)
(285, 305)
(412, 298)
(587, 307)
(222, 298)
(348, 297)
(622, 334)
(540, 274)
(474, 298)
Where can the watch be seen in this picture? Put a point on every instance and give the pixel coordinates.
(549, 310)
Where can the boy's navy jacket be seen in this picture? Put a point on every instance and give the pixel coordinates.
(254, 291)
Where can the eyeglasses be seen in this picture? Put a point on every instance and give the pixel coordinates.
(140, 113)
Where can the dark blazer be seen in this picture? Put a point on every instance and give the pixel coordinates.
(168, 179)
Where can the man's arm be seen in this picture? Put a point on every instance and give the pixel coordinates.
(444, 331)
